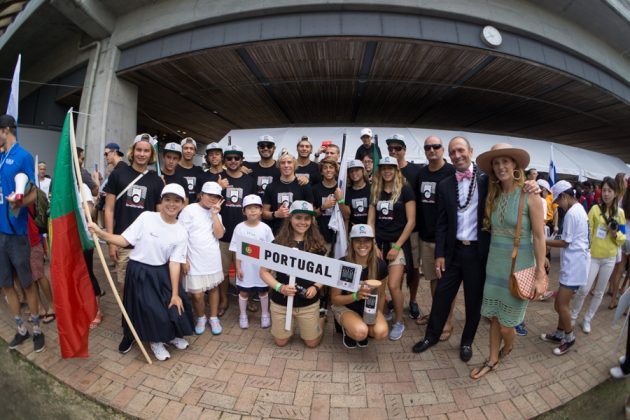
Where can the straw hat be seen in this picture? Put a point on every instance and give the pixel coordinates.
(520, 156)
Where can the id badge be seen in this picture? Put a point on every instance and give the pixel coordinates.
(601, 232)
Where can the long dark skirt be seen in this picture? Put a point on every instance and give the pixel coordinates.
(146, 297)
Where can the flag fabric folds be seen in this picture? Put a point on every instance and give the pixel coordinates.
(336, 222)
(553, 176)
(75, 303)
(14, 96)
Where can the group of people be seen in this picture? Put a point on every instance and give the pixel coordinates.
(174, 237)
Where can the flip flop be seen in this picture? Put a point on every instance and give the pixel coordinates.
(480, 372)
(445, 335)
(423, 321)
(49, 317)
(97, 320)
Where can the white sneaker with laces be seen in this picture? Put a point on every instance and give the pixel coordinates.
(179, 343)
(265, 321)
(243, 321)
(160, 351)
(586, 326)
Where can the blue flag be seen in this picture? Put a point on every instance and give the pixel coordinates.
(553, 176)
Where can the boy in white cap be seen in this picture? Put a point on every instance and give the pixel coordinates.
(203, 266)
(171, 156)
(367, 147)
(188, 170)
(248, 279)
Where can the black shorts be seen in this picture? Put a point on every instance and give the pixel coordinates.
(15, 254)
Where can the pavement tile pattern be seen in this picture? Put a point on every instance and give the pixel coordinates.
(242, 374)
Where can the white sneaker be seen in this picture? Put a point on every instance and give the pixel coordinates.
(617, 373)
(586, 326)
(397, 330)
(622, 360)
(179, 343)
(265, 321)
(160, 351)
(243, 322)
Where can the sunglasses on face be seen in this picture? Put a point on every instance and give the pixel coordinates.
(428, 147)
(230, 158)
(394, 148)
(107, 152)
(266, 146)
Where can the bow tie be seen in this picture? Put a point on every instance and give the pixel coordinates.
(467, 174)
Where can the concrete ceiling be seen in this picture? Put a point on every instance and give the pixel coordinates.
(364, 81)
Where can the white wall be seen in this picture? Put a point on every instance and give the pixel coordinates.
(43, 143)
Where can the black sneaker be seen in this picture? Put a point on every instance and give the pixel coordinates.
(38, 342)
(125, 345)
(563, 347)
(18, 339)
(414, 310)
(551, 338)
(363, 343)
(348, 341)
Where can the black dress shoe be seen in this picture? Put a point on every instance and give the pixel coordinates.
(422, 346)
(465, 353)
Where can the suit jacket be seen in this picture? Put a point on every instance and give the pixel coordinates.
(446, 228)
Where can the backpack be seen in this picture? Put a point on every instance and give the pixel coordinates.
(42, 210)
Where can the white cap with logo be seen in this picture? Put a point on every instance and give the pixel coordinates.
(361, 231)
(366, 132)
(188, 140)
(300, 206)
(175, 189)
(172, 147)
(145, 137)
(388, 160)
(252, 199)
(213, 146)
(354, 163)
(211, 187)
(266, 139)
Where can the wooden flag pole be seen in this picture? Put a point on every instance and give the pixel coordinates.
(86, 210)
(287, 321)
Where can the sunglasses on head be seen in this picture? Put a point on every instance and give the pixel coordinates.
(265, 145)
(428, 147)
(229, 158)
(394, 148)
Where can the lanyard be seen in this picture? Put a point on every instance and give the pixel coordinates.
(6, 155)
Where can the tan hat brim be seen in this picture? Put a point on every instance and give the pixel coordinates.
(520, 156)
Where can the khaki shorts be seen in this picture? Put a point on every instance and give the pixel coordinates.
(305, 318)
(121, 265)
(227, 257)
(416, 244)
(37, 261)
(339, 310)
(399, 260)
(428, 260)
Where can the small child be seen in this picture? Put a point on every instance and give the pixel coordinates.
(248, 279)
(575, 259)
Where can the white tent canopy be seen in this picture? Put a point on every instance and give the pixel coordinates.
(568, 160)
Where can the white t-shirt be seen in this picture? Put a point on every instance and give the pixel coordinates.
(251, 272)
(204, 254)
(44, 185)
(576, 258)
(155, 241)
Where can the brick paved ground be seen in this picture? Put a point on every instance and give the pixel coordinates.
(242, 374)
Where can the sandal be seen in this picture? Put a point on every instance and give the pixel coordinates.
(503, 353)
(97, 320)
(423, 321)
(446, 334)
(480, 372)
(48, 318)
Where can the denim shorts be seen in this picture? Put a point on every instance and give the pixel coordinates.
(15, 255)
(574, 288)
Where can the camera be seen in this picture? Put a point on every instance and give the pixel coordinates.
(613, 225)
(301, 290)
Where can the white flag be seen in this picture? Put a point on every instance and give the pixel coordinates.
(14, 96)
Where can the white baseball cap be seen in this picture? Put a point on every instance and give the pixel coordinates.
(234, 150)
(252, 199)
(213, 146)
(172, 147)
(266, 139)
(361, 231)
(175, 189)
(354, 163)
(543, 184)
(388, 160)
(212, 188)
(366, 132)
(560, 187)
(300, 206)
(188, 140)
(144, 137)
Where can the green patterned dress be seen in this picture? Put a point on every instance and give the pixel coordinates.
(497, 299)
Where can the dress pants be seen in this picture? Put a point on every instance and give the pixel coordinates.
(465, 266)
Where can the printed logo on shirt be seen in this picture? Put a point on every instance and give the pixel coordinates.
(427, 192)
(360, 206)
(251, 250)
(327, 212)
(385, 210)
(191, 181)
(285, 199)
(307, 175)
(136, 196)
(262, 183)
(234, 197)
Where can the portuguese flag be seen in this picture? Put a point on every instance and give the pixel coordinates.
(75, 303)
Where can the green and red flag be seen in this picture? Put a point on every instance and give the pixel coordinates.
(75, 303)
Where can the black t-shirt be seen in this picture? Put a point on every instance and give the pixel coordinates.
(359, 202)
(208, 176)
(279, 194)
(144, 195)
(427, 204)
(298, 301)
(411, 172)
(362, 151)
(175, 179)
(311, 171)
(263, 176)
(320, 194)
(190, 175)
(391, 218)
(232, 210)
(381, 273)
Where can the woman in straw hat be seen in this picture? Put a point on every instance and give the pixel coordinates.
(504, 164)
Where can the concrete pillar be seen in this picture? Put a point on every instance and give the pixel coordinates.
(109, 106)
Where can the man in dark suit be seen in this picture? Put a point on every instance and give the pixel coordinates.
(461, 247)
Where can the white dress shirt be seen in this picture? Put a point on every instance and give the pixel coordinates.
(467, 219)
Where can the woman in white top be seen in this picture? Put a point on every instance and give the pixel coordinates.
(575, 259)
(153, 297)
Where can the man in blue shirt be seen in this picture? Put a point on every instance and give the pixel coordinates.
(15, 251)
